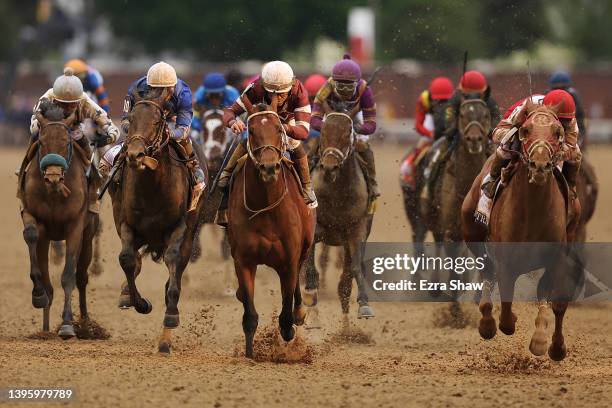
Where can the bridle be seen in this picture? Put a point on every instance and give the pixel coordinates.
(334, 151)
(473, 122)
(70, 145)
(529, 148)
(162, 136)
(252, 151)
(281, 150)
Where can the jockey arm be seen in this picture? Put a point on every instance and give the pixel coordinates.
(368, 107)
(184, 113)
(316, 120)
(419, 116)
(89, 109)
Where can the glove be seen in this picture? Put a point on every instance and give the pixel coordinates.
(102, 140)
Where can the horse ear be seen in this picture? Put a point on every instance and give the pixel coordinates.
(247, 104)
(70, 119)
(326, 108)
(41, 118)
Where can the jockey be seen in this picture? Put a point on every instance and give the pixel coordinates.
(214, 93)
(562, 80)
(294, 113)
(472, 83)
(163, 75)
(439, 92)
(313, 84)
(93, 84)
(67, 92)
(504, 134)
(342, 92)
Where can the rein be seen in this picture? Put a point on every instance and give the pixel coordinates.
(159, 142)
(527, 150)
(473, 122)
(334, 151)
(70, 145)
(252, 152)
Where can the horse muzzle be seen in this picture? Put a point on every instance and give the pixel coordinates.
(475, 143)
(268, 172)
(539, 172)
(141, 161)
(54, 180)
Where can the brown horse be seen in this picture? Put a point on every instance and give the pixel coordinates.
(269, 223)
(530, 209)
(55, 208)
(150, 208)
(342, 219)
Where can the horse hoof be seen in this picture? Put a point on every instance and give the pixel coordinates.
(508, 329)
(144, 306)
(310, 297)
(171, 321)
(66, 331)
(125, 302)
(487, 328)
(312, 317)
(365, 312)
(288, 334)
(299, 315)
(538, 344)
(557, 353)
(164, 348)
(40, 302)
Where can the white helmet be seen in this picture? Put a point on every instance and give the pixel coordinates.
(161, 75)
(277, 76)
(67, 88)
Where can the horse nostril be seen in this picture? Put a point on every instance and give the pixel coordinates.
(277, 166)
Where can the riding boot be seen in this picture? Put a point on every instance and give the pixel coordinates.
(223, 183)
(438, 150)
(489, 183)
(571, 169)
(301, 165)
(367, 155)
(196, 171)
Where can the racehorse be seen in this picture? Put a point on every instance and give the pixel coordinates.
(533, 207)
(269, 223)
(342, 219)
(150, 208)
(56, 208)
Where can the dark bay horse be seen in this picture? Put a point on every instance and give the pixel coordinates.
(56, 208)
(269, 223)
(342, 218)
(150, 208)
(530, 209)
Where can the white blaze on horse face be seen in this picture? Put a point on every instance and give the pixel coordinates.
(210, 142)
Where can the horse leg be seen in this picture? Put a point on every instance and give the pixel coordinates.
(125, 301)
(312, 280)
(246, 294)
(96, 266)
(82, 276)
(289, 279)
(507, 319)
(557, 350)
(299, 311)
(324, 263)
(225, 254)
(129, 259)
(357, 271)
(73, 250)
(538, 343)
(42, 250)
(345, 284)
(31, 235)
(176, 257)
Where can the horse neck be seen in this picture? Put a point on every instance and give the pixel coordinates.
(533, 202)
(261, 194)
(466, 165)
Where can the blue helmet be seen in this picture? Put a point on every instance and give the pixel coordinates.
(559, 78)
(214, 82)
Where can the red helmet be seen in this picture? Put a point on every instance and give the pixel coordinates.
(441, 88)
(313, 83)
(563, 102)
(473, 81)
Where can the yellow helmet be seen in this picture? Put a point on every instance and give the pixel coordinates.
(78, 66)
(161, 75)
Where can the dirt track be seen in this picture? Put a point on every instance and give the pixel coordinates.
(398, 359)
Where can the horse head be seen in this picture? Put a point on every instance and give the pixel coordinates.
(55, 145)
(266, 139)
(474, 123)
(337, 142)
(214, 136)
(541, 136)
(147, 129)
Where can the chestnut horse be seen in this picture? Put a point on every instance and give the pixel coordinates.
(56, 208)
(269, 223)
(150, 208)
(342, 219)
(530, 209)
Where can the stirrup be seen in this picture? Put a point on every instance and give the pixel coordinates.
(310, 198)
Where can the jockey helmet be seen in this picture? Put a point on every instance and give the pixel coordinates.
(277, 76)
(78, 66)
(473, 81)
(161, 75)
(441, 88)
(346, 70)
(563, 102)
(214, 82)
(67, 88)
(559, 78)
(313, 83)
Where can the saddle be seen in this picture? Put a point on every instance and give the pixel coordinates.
(485, 204)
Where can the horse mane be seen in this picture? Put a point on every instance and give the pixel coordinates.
(260, 107)
(51, 111)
